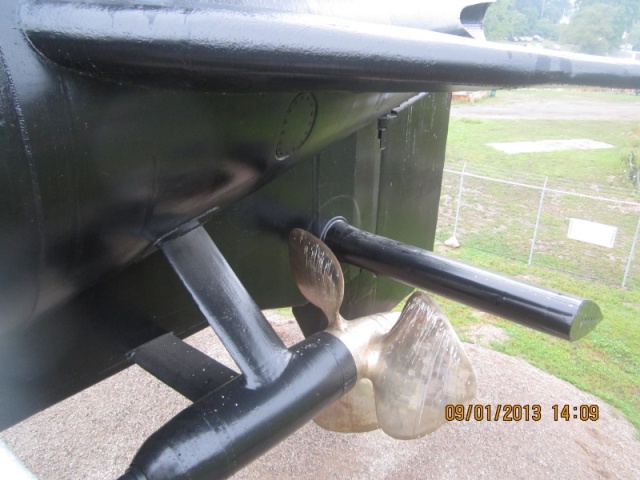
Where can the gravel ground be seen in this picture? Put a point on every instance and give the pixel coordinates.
(561, 108)
(94, 434)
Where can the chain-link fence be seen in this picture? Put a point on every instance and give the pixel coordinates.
(583, 229)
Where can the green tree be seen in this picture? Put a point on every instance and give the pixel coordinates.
(634, 36)
(536, 10)
(596, 29)
(546, 29)
(531, 9)
(630, 9)
(508, 18)
(503, 21)
(554, 10)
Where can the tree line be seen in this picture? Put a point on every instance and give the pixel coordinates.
(595, 26)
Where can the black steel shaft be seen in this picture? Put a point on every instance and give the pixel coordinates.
(221, 433)
(550, 311)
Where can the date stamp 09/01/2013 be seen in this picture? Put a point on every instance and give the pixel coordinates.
(517, 412)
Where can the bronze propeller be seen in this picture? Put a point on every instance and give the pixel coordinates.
(408, 370)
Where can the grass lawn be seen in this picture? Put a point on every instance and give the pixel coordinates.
(606, 362)
(468, 139)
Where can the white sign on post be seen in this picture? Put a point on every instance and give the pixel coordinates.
(591, 232)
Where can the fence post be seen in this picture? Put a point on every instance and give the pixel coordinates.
(631, 255)
(535, 230)
(455, 225)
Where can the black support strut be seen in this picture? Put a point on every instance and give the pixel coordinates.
(280, 390)
(184, 368)
(550, 311)
(228, 307)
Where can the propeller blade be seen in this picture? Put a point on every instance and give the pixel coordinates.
(354, 412)
(421, 368)
(318, 274)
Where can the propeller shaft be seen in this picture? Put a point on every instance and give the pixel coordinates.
(550, 311)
